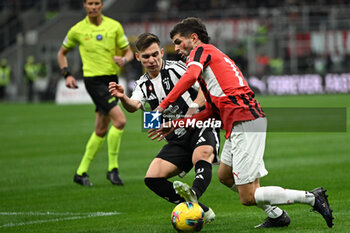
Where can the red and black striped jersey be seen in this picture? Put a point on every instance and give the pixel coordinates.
(228, 95)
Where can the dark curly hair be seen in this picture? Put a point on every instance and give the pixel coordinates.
(101, 1)
(191, 25)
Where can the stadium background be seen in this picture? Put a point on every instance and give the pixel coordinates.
(282, 47)
(295, 54)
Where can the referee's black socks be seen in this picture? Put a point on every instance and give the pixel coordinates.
(202, 180)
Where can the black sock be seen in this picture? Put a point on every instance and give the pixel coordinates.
(203, 177)
(163, 188)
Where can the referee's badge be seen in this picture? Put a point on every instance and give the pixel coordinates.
(99, 37)
(150, 88)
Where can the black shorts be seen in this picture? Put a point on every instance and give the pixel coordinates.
(179, 151)
(97, 87)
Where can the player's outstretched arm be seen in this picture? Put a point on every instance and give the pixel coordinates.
(63, 63)
(117, 90)
(185, 82)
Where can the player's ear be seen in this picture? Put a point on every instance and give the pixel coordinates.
(162, 52)
(194, 37)
(137, 56)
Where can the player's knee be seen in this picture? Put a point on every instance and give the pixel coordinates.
(225, 180)
(118, 119)
(120, 123)
(203, 153)
(222, 180)
(101, 132)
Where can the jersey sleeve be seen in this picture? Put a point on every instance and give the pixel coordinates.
(121, 40)
(70, 41)
(196, 86)
(199, 57)
(180, 69)
(185, 82)
(138, 95)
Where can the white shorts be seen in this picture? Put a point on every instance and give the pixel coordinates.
(244, 151)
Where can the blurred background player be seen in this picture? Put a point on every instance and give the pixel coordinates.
(230, 99)
(98, 37)
(31, 70)
(186, 148)
(5, 74)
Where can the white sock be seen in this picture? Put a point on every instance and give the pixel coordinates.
(271, 211)
(274, 195)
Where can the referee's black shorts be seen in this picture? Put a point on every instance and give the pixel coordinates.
(97, 87)
(179, 151)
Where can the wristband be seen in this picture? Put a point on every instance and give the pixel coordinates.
(194, 105)
(125, 60)
(65, 72)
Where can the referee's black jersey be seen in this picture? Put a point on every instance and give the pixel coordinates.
(155, 90)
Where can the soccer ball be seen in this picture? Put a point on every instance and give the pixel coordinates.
(187, 217)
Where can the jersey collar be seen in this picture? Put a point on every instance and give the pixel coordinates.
(88, 21)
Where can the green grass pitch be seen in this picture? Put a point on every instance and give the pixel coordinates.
(42, 144)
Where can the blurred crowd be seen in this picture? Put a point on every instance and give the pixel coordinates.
(272, 45)
(188, 5)
(16, 6)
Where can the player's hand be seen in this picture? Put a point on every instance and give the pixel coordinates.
(159, 109)
(71, 82)
(160, 133)
(191, 111)
(116, 89)
(120, 61)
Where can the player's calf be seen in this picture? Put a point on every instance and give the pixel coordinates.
(246, 195)
(163, 188)
(203, 177)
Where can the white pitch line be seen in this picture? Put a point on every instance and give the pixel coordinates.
(61, 214)
(78, 216)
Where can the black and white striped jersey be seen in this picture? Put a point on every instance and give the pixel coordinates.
(155, 90)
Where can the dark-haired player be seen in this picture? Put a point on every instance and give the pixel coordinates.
(230, 99)
(185, 148)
